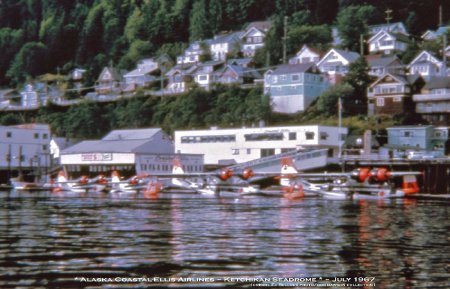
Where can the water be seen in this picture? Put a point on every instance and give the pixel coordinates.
(72, 241)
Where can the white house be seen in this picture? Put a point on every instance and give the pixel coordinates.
(307, 54)
(193, 52)
(385, 42)
(222, 45)
(204, 73)
(434, 34)
(254, 36)
(336, 62)
(427, 65)
(240, 145)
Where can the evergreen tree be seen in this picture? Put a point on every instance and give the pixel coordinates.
(199, 28)
(352, 22)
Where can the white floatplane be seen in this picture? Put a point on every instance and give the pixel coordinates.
(223, 183)
(81, 185)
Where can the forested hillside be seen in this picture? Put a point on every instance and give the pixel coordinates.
(40, 36)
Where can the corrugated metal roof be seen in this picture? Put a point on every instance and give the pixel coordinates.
(132, 134)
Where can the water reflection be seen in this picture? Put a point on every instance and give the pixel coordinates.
(48, 240)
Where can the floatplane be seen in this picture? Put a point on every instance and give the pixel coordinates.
(224, 183)
(361, 183)
(82, 184)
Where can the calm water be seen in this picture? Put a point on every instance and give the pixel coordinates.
(54, 241)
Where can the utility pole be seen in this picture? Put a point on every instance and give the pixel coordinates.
(388, 16)
(361, 45)
(444, 56)
(440, 15)
(285, 39)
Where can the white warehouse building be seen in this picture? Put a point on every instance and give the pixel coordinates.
(233, 146)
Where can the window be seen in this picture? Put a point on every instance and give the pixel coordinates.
(249, 151)
(283, 77)
(408, 134)
(292, 136)
(8, 134)
(380, 101)
(235, 151)
(323, 136)
(44, 147)
(36, 135)
(309, 135)
(44, 136)
(202, 77)
(295, 77)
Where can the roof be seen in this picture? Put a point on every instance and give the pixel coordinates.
(292, 68)
(226, 38)
(405, 79)
(260, 25)
(436, 82)
(350, 56)
(242, 71)
(240, 61)
(398, 36)
(132, 134)
(381, 61)
(387, 27)
(125, 141)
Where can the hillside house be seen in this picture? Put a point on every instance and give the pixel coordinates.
(254, 36)
(435, 34)
(307, 54)
(109, 81)
(335, 63)
(204, 73)
(427, 65)
(392, 94)
(147, 72)
(194, 52)
(292, 88)
(433, 102)
(179, 78)
(380, 65)
(235, 74)
(385, 42)
(223, 45)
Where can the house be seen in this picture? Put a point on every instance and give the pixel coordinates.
(179, 78)
(130, 151)
(392, 93)
(223, 45)
(427, 65)
(336, 62)
(396, 27)
(433, 102)
(194, 52)
(37, 94)
(235, 74)
(385, 42)
(307, 54)
(147, 72)
(109, 81)
(380, 65)
(425, 138)
(254, 36)
(293, 87)
(77, 74)
(204, 73)
(435, 34)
